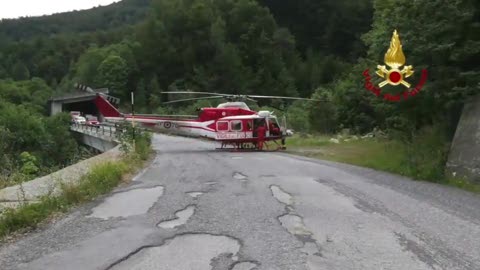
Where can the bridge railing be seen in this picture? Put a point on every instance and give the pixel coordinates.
(101, 130)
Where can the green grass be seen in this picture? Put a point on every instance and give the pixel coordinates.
(308, 140)
(463, 184)
(420, 161)
(370, 153)
(100, 180)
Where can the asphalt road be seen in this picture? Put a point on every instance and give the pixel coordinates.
(195, 208)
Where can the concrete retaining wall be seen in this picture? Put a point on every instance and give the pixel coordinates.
(31, 191)
(98, 142)
(464, 157)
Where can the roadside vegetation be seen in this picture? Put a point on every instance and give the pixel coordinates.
(421, 159)
(100, 180)
(31, 143)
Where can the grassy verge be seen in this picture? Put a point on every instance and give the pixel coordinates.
(420, 161)
(100, 180)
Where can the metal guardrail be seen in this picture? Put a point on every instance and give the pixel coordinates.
(111, 131)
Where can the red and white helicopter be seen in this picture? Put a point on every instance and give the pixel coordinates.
(232, 123)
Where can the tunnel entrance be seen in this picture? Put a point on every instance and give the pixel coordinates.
(81, 99)
(84, 107)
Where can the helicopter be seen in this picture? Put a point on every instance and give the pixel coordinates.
(231, 123)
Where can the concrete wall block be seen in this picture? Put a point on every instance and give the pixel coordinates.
(464, 156)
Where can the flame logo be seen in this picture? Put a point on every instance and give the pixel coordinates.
(394, 57)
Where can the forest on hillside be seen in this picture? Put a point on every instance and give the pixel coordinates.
(298, 48)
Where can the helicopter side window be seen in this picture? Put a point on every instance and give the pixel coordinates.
(236, 125)
(222, 126)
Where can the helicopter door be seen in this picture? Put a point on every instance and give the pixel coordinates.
(267, 133)
(256, 123)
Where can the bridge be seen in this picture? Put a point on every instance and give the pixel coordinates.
(81, 98)
(101, 138)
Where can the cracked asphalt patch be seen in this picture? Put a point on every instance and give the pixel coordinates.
(239, 176)
(265, 211)
(294, 224)
(182, 218)
(281, 195)
(128, 203)
(195, 194)
(244, 266)
(184, 252)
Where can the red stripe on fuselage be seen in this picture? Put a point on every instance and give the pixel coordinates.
(161, 118)
(204, 128)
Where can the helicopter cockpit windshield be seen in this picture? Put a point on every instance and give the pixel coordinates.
(274, 127)
(241, 105)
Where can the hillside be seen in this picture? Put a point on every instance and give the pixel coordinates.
(331, 26)
(113, 16)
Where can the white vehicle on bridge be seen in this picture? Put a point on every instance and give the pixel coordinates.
(79, 120)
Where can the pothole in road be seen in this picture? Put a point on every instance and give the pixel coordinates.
(195, 194)
(294, 225)
(281, 195)
(128, 203)
(182, 218)
(239, 176)
(244, 266)
(184, 252)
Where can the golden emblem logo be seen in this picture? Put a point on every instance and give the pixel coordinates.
(394, 75)
(395, 58)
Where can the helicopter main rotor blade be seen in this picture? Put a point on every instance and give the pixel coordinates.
(191, 99)
(278, 97)
(195, 93)
(251, 99)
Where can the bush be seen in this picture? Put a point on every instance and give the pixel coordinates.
(426, 154)
(100, 180)
(323, 116)
(28, 216)
(143, 140)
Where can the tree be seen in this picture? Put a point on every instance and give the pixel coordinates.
(113, 73)
(20, 72)
(141, 96)
(86, 69)
(444, 42)
(60, 148)
(323, 115)
(332, 27)
(154, 97)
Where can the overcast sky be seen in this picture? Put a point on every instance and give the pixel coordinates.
(19, 8)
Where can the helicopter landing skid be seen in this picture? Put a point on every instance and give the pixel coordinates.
(249, 147)
(234, 150)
